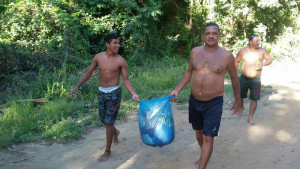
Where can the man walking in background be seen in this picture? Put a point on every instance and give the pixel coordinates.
(206, 73)
(111, 66)
(253, 59)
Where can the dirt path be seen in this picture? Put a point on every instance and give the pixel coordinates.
(273, 143)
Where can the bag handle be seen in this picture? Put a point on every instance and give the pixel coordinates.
(159, 97)
(171, 96)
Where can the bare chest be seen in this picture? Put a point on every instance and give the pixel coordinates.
(210, 65)
(108, 66)
(252, 57)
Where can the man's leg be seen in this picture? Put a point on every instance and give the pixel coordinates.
(253, 105)
(254, 96)
(241, 108)
(115, 137)
(111, 133)
(206, 151)
(244, 85)
(199, 137)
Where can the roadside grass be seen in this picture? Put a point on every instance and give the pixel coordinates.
(63, 131)
(61, 119)
(29, 121)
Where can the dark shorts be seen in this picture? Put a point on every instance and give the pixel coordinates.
(109, 104)
(206, 115)
(253, 84)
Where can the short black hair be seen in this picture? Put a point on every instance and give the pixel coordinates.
(252, 36)
(110, 36)
(211, 24)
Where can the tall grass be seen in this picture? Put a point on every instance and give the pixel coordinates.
(18, 123)
(26, 121)
(158, 82)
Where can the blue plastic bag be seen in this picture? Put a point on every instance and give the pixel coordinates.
(156, 121)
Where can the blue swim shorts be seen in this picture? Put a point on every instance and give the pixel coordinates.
(206, 115)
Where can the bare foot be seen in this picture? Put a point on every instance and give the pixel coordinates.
(250, 122)
(105, 156)
(115, 139)
(241, 111)
(197, 163)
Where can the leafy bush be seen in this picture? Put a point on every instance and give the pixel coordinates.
(241, 18)
(53, 33)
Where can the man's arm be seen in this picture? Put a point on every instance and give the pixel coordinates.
(127, 82)
(185, 79)
(238, 59)
(85, 77)
(235, 84)
(268, 58)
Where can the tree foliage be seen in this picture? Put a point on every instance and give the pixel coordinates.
(73, 29)
(241, 18)
(68, 33)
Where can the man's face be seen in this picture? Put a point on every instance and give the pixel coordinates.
(114, 45)
(211, 35)
(255, 42)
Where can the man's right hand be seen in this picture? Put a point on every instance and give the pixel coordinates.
(236, 107)
(136, 98)
(74, 91)
(174, 93)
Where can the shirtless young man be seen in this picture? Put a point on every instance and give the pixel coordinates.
(111, 66)
(252, 58)
(206, 73)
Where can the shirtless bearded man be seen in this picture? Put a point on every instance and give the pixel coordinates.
(253, 59)
(206, 73)
(111, 66)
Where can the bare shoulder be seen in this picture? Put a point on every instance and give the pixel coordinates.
(197, 49)
(120, 60)
(226, 53)
(99, 56)
(244, 50)
(263, 50)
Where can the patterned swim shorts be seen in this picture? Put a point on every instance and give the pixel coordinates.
(109, 104)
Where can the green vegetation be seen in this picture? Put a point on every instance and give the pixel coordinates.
(25, 121)
(61, 119)
(46, 46)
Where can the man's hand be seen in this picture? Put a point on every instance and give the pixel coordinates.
(236, 106)
(136, 98)
(258, 65)
(74, 91)
(174, 93)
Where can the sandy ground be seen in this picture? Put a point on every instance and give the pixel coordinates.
(273, 143)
